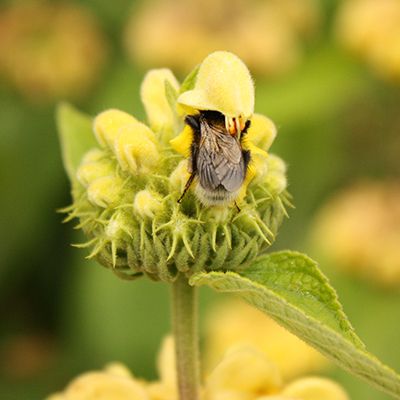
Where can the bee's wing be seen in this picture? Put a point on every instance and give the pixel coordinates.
(220, 160)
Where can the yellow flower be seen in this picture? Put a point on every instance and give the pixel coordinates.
(160, 115)
(359, 230)
(115, 383)
(360, 28)
(228, 325)
(127, 189)
(267, 35)
(243, 374)
(45, 48)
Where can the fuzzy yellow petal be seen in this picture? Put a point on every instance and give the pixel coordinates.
(315, 389)
(166, 388)
(258, 166)
(89, 172)
(257, 140)
(135, 147)
(153, 94)
(105, 191)
(146, 203)
(179, 176)
(262, 132)
(107, 124)
(166, 361)
(105, 386)
(244, 371)
(223, 84)
(181, 143)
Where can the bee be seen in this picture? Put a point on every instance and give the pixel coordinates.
(217, 158)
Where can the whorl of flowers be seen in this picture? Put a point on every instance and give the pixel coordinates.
(126, 189)
(244, 373)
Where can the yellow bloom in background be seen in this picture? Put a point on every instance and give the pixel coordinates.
(234, 322)
(244, 373)
(266, 35)
(359, 231)
(371, 30)
(115, 382)
(45, 48)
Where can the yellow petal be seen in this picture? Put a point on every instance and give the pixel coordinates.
(223, 84)
(105, 191)
(135, 148)
(107, 124)
(262, 132)
(179, 176)
(118, 369)
(153, 93)
(102, 386)
(166, 388)
(258, 167)
(243, 370)
(166, 362)
(315, 389)
(146, 203)
(89, 172)
(181, 143)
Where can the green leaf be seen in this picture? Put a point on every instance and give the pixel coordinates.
(190, 80)
(76, 136)
(289, 287)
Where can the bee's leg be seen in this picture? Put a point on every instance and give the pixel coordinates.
(187, 186)
(237, 207)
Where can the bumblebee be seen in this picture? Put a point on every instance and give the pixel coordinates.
(217, 158)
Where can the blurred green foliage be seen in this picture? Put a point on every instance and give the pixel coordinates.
(336, 122)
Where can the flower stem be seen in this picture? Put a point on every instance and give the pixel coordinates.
(184, 320)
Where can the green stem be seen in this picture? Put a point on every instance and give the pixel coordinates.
(184, 320)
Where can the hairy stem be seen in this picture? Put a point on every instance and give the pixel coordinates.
(184, 320)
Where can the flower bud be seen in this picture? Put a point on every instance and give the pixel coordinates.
(135, 148)
(146, 204)
(93, 166)
(154, 97)
(107, 124)
(105, 191)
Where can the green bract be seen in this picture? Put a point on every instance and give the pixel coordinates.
(126, 183)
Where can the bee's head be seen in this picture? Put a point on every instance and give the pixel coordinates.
(235, 125)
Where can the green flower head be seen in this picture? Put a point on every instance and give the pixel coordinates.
(193, 189)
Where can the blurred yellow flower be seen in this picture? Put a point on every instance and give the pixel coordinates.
(244, 373)
(45, 49)
(371, 29)
(234, 322)
(359, 230)
(114, 382)
(266, 35)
